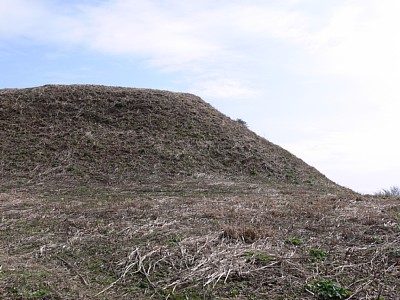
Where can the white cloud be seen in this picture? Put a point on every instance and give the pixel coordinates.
(199, 38)
(358, 156)
(361, 42)
(18, 17)
(224, 89)
(358, 45)
(358, 39)
(141, 27)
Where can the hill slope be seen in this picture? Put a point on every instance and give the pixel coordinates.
(92, 133)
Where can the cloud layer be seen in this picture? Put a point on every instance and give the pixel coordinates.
(222, 39)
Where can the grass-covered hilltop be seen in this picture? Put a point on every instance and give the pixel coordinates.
(113, 135)
(123, 193)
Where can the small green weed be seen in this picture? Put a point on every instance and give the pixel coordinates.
(291, 177)
(23, 152)
(294, 241)
(88, 154)
(326, 289)
(394, 252)
(39, 294)
(71, 169)
(234, 293)
(317, 254)
(74, 170)
(289, 174)
(253, 172)
(259, 257)
(99, 223)
(173, 241)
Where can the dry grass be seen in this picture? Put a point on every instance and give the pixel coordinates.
(181, 241)
(115, 193)
(53, 135)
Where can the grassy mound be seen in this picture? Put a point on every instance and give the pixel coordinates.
(87, 133)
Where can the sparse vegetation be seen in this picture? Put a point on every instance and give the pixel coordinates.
(253, 172)
(294, 241)
(121, 243)
(143, 135)
(326, 289)
(393, 191)
(241, 122)
(96, 202)
(317, 254)
(259, 257)
(173, 241)
(394, 252)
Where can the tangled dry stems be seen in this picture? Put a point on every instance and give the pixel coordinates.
(173, 241)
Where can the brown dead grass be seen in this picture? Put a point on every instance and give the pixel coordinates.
(116, 193)
(181, 241)
(86, 134)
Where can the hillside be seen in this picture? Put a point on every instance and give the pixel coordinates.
(117, 193)
(87, 133)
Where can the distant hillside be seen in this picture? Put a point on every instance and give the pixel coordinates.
(87, 133)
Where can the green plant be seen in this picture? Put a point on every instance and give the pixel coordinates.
(253, 172)
(99, 223)
(259, 257)
(290, 176)
(174, 240)
(394, 252)
(326, 289)
(294, 241)
(317, 254)
(23, 152)
(234, 292)
(74, 170)
(40, 294)
(25, 294)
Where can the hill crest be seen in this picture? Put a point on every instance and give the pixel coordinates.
(115, 135)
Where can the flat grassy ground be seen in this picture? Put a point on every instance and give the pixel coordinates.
(199, 239)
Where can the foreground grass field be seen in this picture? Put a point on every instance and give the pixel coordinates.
(199, 239)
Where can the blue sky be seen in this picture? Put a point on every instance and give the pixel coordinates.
(319, 78)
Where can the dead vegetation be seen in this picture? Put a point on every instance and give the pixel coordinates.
(110, 135)
(213, 242)
(124, 223)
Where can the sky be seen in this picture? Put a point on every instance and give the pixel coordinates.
(319, 78)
